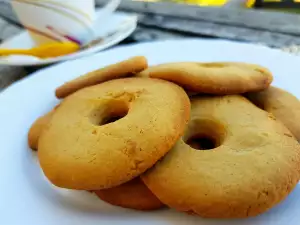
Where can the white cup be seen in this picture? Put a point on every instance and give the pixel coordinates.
(56, 20)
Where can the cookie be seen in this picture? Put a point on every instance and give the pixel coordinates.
(133, 195)
(36, 129)
(107, 134)
(121, 69)
(213, 78)
(245, 162)
(282, 104)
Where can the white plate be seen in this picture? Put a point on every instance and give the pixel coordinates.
(26, 197)
(115, 29)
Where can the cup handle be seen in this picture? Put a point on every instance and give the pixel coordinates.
(110, 7)
(104, 12)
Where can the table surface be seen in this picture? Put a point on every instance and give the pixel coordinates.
(159, 21)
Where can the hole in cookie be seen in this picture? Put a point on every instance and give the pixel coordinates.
(109, 113)
(204, 134)
(201, 142)
(113, 117)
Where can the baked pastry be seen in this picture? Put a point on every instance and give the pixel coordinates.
(107, 134)
(247, 162)
(125, 68)
(37, 127)
(282, 104)
(133, 194)
(213, 78)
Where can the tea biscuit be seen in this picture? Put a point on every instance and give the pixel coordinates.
(121, 69)
(248, 163)
(213, 78)
(36, 129)
(133, 194)
(83, 148)
(282, 104)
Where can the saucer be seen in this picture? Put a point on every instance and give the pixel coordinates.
(115, 29)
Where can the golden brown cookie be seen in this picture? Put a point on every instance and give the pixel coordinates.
(121, 69)
(248, 163)
(282, 104)
(133, 194)
(107, 134)
(36, 129)
(213, 78)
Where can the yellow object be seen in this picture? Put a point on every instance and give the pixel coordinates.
(204, 2)
(44, 51)
(250, 3)
(193, 2)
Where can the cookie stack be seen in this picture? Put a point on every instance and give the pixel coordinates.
(211, 139)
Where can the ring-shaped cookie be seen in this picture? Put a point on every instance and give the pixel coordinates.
(133, 194)
(121, 69)
(253, 161)
(213, 78)
(37, 128)
(282, 104)
(83, 149)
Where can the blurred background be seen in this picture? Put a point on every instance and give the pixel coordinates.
(271, 23)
